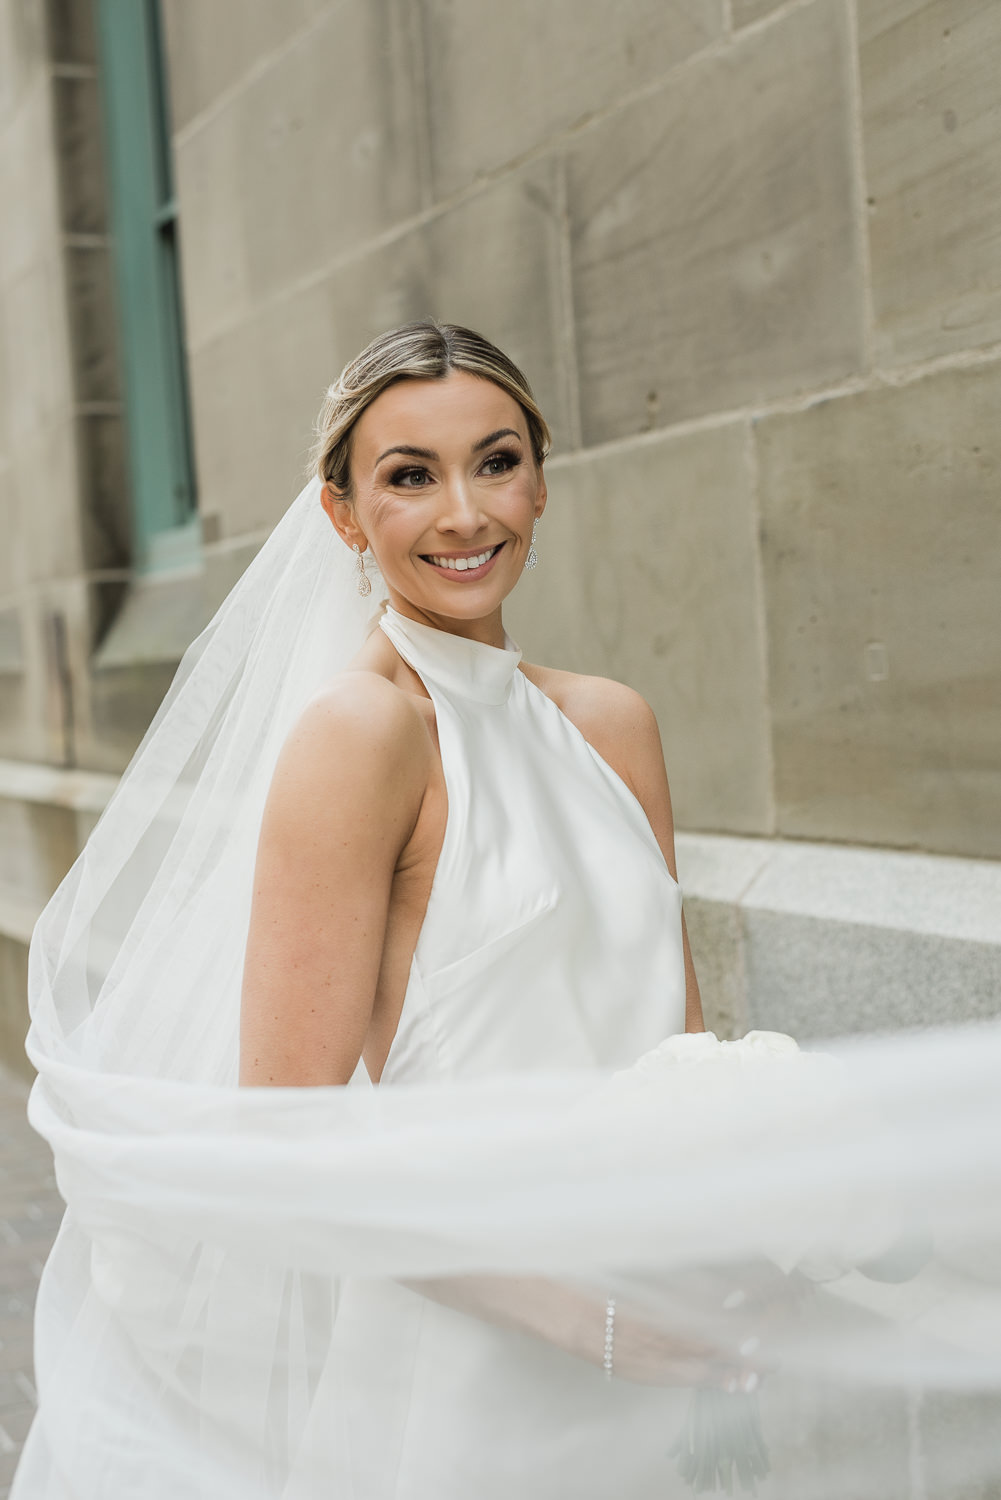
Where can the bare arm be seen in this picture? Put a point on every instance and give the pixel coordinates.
(342, 806)
(573, 1319)
(341, 811)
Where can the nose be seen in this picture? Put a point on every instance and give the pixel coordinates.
(460, 512)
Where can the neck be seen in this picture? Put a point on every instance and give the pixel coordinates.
(488, 630)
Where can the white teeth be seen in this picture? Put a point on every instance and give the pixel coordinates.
(461, 564)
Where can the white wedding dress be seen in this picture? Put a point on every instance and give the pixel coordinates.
(231, 1310)
(552, 939)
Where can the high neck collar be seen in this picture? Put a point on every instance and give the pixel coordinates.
(466, 668)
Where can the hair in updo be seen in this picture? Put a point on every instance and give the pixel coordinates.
(426, 350)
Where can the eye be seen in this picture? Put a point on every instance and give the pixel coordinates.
(501, 461)
(410, 478)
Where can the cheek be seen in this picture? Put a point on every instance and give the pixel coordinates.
(522, 493)
(391, 525)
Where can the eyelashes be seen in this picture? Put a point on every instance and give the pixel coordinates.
(505, 456)
(414, 476)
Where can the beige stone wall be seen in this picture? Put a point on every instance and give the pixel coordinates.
(750, 255)
(749, 252)
(64, 524)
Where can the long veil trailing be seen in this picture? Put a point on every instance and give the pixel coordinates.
(839, 1214)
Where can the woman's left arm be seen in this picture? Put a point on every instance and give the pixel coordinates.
(622, 727)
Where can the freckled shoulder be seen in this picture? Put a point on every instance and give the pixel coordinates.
(622, 727)
(361, 739)
(614, 718)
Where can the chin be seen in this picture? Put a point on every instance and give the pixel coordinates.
(459, 601)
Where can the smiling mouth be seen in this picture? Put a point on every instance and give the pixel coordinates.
(462, 563)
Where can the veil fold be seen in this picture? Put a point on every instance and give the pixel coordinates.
(187, 1321)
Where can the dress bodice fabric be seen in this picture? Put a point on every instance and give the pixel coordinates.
(552, 937)
(552, 940)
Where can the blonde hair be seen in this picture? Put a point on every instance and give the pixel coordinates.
(426, 350)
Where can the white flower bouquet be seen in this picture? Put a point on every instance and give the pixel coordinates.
(721, 1440)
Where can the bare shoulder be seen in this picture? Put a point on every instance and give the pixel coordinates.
(363, 737)
(614, 718)
(364, 703)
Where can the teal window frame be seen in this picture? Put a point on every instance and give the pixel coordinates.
(143, 218)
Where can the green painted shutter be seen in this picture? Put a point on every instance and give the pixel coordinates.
(144, 231)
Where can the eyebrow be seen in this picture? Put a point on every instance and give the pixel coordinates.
(429, 453)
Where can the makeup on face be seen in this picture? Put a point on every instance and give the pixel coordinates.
(447, 490)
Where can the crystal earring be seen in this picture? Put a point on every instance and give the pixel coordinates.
(532, 560)
(362, 582)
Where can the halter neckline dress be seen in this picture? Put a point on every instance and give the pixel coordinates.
(551, 941)
(552, 936)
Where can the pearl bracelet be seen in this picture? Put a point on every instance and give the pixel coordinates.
(609, 1336)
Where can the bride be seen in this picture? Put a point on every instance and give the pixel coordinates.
(419, 899)
(501, 842)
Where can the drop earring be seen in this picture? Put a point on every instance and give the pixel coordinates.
(362, 582)
(532, 560)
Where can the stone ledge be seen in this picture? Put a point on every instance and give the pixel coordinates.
(942, 895)
(817, 939)
(826, 940)
(81, 791)
(18, 918)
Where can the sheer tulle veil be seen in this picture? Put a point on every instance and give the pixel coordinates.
(188, 1312)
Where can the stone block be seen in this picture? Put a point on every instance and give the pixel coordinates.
(498, 267)
(14, 1005)
(822, 940)
(222, 568)
(37, 378)
(503, 79)
(10, 552)
(142, 635)
(22, 685)
(745, 11)
(924, 894)
(23, 53)
(65, 631)
(44, 518)
(90, 300)
(933, 167)
(27, 174)
(105, 509)
(880, 539)
(716, 940)
(815, 977)
(78, 153)
(71, 31)
(720, 869)
(158, 619)
(213, 228)
(713, 239)
(121, 704)
(11, 640)
(37, 846)
(493, 263)
(44, 709)
(648, 574)
(255, 391)
(212, 48)
(321, 152)
(387, 285)
(14, 729)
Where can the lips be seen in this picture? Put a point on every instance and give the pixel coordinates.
(462, 564)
